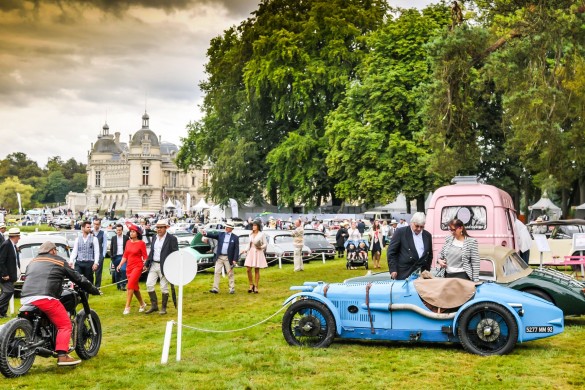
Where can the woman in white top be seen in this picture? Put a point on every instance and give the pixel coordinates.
(255, 257)
(353, 234)
(460, 255)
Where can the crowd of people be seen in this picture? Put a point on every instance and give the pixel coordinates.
(409, 249)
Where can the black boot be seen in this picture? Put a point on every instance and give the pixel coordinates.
(165, 300)
(153, 303)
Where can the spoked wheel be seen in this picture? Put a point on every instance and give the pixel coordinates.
(488, 329)
(308, 323)
(89, 338)
(15, 356)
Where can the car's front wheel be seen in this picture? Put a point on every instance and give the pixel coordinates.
(308, 323)
(487, 329)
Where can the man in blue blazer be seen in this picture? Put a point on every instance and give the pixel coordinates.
(410, 249)
(227, 253)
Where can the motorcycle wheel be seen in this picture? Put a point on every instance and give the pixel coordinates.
(88, 339)
(15, 358)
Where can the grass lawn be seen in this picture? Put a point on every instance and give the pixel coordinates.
(259, 358)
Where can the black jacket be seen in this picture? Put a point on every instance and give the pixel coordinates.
(46, 273)
(114, 245)
(341, 237)
(169, 246)
(8, 265)
(402, 255)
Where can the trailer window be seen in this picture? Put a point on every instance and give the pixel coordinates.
(474, 217)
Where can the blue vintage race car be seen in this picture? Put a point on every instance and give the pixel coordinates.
(487, 319)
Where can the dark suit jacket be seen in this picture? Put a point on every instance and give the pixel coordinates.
(170, 245)
(114, 245)
(402, 255)
(233, 247)
(8, 261)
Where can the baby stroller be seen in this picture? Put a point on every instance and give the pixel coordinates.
(356, 253)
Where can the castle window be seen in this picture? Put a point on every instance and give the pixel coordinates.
(146, 149)
(145, 171)
(144, 200)
(98, 178)
(173, 179)
(193, 181)
(205, 177)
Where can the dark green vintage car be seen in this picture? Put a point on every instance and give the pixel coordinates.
(503, 265)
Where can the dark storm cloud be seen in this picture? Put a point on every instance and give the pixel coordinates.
(234, 7)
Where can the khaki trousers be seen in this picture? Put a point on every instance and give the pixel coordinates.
(154, 274)
(298, 259)
(222, 261)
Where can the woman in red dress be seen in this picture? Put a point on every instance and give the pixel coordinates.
(135, 255)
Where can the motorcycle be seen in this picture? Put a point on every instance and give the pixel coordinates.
(32, 334)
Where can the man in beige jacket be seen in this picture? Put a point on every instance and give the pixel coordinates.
(298, 242)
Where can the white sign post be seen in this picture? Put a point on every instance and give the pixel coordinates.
(180, 268)
(541, 244)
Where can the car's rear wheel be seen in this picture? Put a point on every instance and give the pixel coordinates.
(308, 323)
(540, 294)
(487, 329)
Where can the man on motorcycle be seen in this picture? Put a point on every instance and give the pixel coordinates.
(42, 288)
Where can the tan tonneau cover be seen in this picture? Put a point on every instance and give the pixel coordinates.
(445, 293)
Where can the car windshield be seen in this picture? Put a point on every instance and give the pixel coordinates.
(282, 239)
(31, 251)
(314, 238)
(513, 264)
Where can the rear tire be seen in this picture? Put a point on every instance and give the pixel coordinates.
(540, 294)
(88, 340)
(308, 323)
(487, 329)
(15, 358)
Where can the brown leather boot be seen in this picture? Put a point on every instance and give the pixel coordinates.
(153, 303)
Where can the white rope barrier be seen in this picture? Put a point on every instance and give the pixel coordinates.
(234, 330)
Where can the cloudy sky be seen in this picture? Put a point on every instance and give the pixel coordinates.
(68, 66)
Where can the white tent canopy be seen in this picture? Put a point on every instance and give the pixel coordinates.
(545, 206)
(201, 205)
(169, 205)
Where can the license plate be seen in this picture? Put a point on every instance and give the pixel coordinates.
(539, 329)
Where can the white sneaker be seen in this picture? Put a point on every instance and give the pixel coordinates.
(142, 308)
(126, 311)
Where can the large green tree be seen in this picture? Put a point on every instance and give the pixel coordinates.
(18, 164)
(273, 80)
(377, 148)
(9, 188)
(500, 106)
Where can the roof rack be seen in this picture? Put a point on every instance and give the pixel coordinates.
(466, 180)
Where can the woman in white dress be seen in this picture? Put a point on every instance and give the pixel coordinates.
(255, 257)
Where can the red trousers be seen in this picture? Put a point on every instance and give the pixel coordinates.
(56, 312)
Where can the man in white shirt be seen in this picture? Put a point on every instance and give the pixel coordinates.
(161, 247)
(85, 257)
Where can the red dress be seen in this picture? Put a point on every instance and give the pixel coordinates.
(134, 254)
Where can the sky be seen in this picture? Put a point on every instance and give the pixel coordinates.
(69, 66)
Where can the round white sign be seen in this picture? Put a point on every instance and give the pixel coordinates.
(180, 268)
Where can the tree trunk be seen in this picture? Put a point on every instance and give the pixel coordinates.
(420, 203)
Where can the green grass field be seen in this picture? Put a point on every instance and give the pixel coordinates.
(259, 357)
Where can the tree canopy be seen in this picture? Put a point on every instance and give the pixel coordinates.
(355, 101)
(36, 185)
